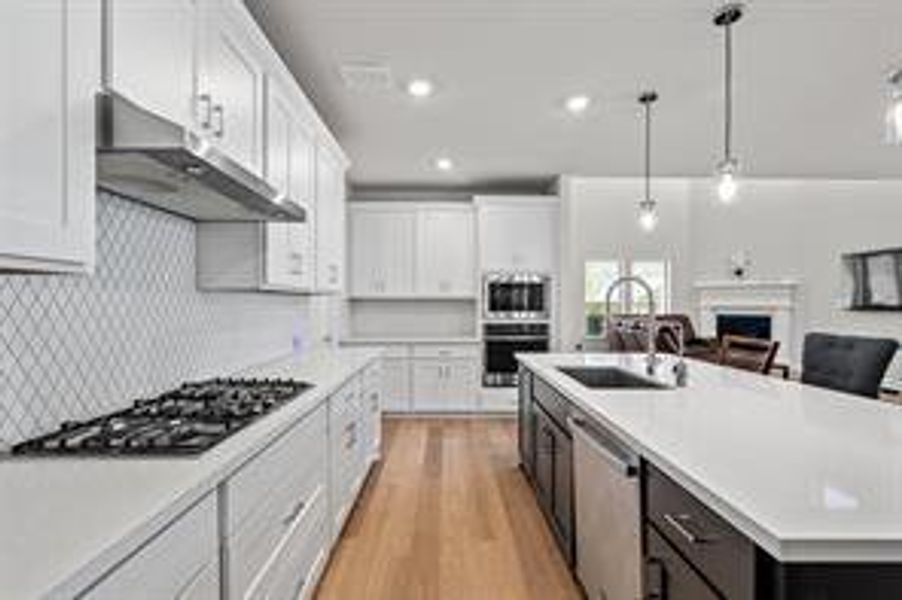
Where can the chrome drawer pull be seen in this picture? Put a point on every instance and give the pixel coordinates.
(294, 513)
(678, 523)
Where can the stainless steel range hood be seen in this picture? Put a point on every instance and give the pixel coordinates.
(151, 159)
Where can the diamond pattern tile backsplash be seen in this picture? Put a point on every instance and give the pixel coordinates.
(72, 347)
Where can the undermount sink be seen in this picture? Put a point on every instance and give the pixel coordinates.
(610, 378)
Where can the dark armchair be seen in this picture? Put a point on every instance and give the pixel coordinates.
(847, 363)
(695, 346)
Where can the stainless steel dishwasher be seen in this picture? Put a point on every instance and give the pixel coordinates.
(608, 519)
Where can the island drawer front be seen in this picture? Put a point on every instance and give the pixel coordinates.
(713, 546)
(557, 407)
(669, 577)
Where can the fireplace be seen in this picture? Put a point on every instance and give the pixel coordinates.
(754, 308)
(752, 326)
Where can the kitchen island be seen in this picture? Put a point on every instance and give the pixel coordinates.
(811, 479)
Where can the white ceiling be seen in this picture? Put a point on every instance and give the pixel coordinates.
(810, 85)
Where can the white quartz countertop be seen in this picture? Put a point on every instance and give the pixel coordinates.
(65, 522)
(808, 474)
(425, 341)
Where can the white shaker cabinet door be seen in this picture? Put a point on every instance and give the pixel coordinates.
(50, 67)
(231, 75)
(150, 55)
(382, 251)
(429, 377)
(330, 221)
(396, 385)
(446, 257)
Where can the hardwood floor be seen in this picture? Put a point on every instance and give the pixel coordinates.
(447, 515)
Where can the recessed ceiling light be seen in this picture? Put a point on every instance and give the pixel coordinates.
(578, 104)
(444, 164)
(420, 88)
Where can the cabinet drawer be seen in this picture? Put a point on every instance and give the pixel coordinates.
(557, 407)
(346, 399)
(711, 544)
(372, 376)
(252, 547)
(181, 562)
(446, 351)
(288, 568)
(282, 466)
(668, 576)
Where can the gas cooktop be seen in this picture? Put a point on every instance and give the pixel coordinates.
(185, 421)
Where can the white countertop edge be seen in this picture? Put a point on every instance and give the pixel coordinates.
(835, 550)
(226, 458)
(426, 341)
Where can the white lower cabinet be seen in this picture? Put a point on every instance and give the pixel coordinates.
(372, 411)
(267, 532)
(268, 505)
(181, 562)
(431, 378)
(445, 385)
(445, 378)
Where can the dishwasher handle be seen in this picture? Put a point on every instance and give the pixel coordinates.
(625, 465)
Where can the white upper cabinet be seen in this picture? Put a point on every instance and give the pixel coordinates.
(330, 220)
(446, 257)
(150, 55)
(412, 250)
(290, 168)
(51, 73)
(383, 239)
(230, 84)
(519, 233)
(251, 108)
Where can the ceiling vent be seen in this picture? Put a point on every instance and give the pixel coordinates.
(367, 77)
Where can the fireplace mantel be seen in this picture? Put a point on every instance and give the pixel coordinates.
(775, 298)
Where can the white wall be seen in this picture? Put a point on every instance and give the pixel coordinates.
(790, 229)
(798, 229)
(599, 221)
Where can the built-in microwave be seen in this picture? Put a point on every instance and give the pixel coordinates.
(516, 296)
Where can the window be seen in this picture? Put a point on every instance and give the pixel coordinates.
(601, 274)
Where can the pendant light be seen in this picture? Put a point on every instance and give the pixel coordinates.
(728, 168)
(894, 110)
(648, 208)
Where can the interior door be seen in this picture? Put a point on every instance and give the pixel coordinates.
(50, 72)
(232, 76)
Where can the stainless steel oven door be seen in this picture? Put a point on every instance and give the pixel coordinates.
(500, 345)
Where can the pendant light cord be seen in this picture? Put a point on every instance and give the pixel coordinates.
(728, 93)
(648, 151)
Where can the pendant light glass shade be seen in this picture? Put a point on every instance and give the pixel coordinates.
(894, 110)
(727, 178)
(727, 181)
(648, 216)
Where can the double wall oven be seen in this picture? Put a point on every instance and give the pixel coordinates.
(516, 318)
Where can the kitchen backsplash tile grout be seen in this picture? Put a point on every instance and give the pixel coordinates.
(72, 346)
